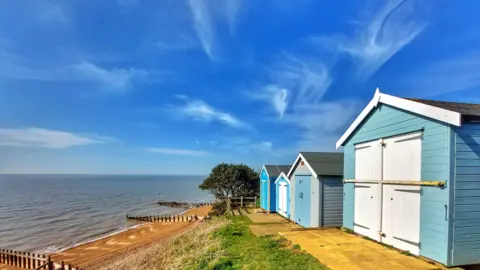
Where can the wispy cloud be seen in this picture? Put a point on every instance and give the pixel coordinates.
(242, 144)
(199, 110)
(207, 14)
(275, 96)
(177, 151)
(38, 137)
(306, 77)
(109, 80)
(294, 81)
(444, 76)
(115, 80)
(380, 35)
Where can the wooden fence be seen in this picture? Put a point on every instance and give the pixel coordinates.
(167, 218)
(183, 204)
(28, 260)
(241, 202)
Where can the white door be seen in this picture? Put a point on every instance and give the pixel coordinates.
(401, 203)
(367, 196)
(282, 199)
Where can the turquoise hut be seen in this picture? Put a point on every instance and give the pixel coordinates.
(412, 177)
(268, 176)
(317, 189)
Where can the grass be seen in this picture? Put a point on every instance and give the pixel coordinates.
(243, 250)
(220, 244)
(195, 248)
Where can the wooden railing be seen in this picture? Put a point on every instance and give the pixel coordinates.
(28, 260)
(167, 218)
(241, 202)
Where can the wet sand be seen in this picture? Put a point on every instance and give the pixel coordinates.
(106, 250)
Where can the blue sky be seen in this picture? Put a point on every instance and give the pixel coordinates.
(175, 87)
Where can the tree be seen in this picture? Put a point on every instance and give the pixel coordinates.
(231, 180)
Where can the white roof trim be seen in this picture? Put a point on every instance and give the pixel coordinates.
(284, 176)
(446, 116)
(266, 171)
(300, 156)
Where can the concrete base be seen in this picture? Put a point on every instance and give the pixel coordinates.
(340, 250)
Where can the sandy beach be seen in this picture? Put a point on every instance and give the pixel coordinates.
(103, 251)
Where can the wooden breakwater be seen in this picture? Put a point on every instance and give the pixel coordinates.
(28, 260)
(187, 205)
(167, 218)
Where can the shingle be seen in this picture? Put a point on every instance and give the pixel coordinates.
(276, 170)
(324, 163)
(467, 109)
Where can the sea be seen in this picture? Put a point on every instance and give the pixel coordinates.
(49, 213)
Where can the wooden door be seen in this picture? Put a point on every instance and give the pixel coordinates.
(367, 196)
(401, 203)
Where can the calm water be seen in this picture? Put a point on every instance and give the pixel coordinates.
(45, 213)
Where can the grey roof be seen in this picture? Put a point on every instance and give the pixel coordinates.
(276, 170)
(467, 109)
(324, 163)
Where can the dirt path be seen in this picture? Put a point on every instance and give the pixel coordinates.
(94, 254)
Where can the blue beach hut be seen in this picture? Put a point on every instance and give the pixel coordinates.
(283, 191)
(412, 177)
(268, 176)
(317, 189)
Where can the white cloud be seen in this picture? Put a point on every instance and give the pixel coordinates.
(295, 81)
(109, 80)
(380, 35)
(275, 96)
(199, 110)
(207, 14)
(176, 151)
(38, 137)
(448, 75)
(116, 80)
(307, 78)
(322, 124)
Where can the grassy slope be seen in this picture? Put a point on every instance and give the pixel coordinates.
(222, 243)
(243, 250)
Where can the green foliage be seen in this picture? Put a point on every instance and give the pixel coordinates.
(243, 250)
(231, 180)
(296, 246)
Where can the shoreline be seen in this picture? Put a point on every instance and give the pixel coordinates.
(105, 235)
(50, 250)
(96, 252)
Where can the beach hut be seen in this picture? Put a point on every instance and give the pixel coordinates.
(268, 176)
(283, 191)
(412, 177)
(316, 185)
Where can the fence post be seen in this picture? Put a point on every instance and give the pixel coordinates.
(255, 201)
(241, 201)
(228, 206)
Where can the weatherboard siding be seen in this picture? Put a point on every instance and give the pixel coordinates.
(466, 224)
(387, 121)
(332, 201)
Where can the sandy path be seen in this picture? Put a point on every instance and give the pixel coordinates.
(108, 249)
